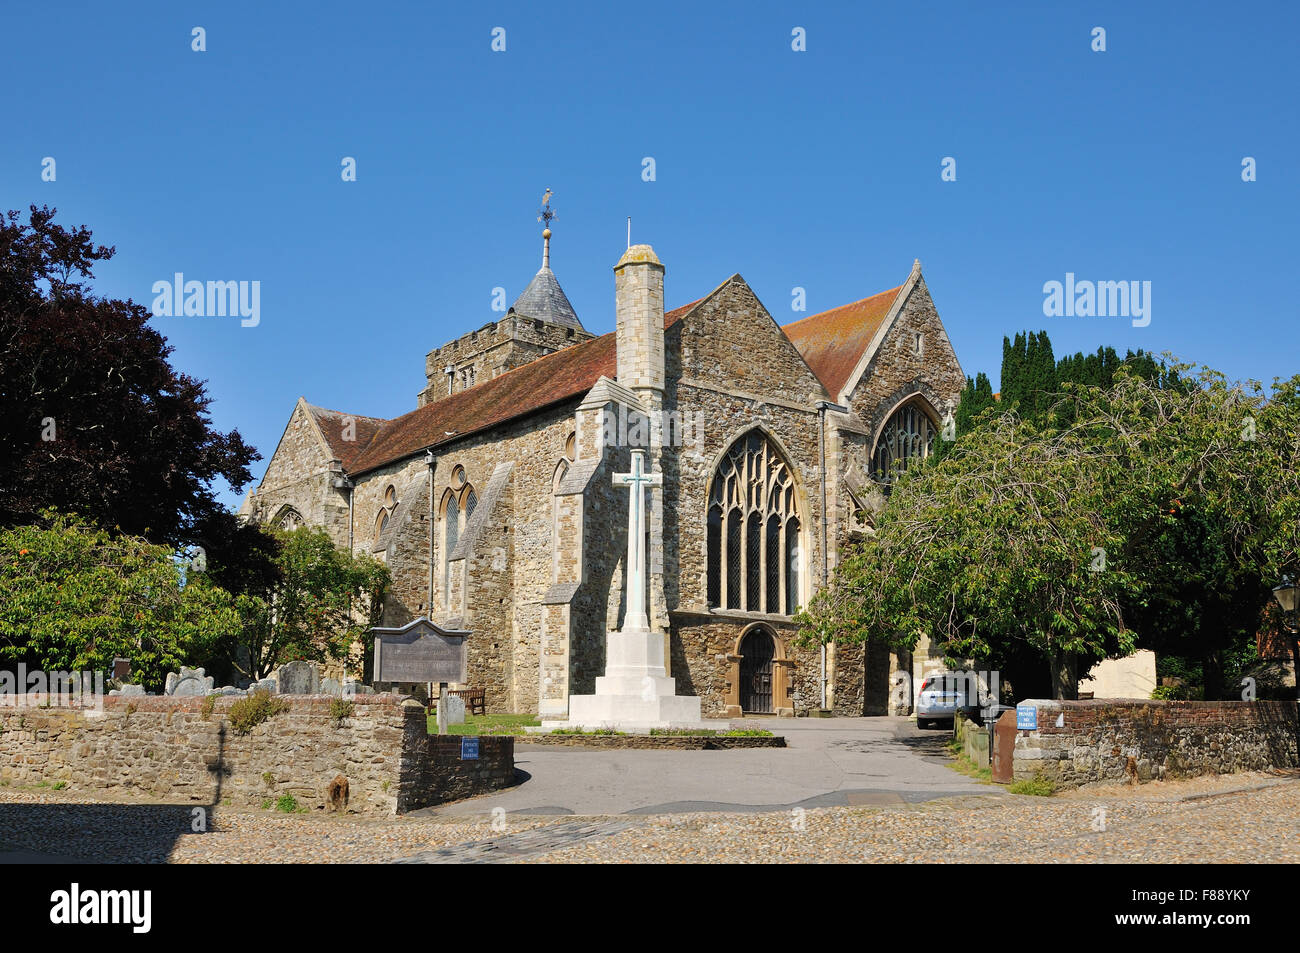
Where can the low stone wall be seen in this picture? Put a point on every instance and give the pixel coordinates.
(446, 775)
(185, 749)
(656, 742)
(1110, 741)
(973, 738)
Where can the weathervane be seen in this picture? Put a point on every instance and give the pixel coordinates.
(546, 214)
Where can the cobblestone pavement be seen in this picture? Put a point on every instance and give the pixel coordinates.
(1250, 818)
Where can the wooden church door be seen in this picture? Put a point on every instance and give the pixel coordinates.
(756, 650)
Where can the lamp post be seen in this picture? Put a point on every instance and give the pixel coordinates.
(1288, 597)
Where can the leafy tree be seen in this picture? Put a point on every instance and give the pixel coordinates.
(1150, 519)
(319, 606)
(1276, 548)
(989, 555)
(93, 418)
(76, 596)
(1186, 505)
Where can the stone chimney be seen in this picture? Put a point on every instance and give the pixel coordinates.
(639, 314)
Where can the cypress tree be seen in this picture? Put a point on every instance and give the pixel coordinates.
(1031, 376)
(1013, 370)
(1047, 382)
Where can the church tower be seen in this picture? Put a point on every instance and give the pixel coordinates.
(540, 322)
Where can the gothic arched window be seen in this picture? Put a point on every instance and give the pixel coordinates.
(288, 519)
(383, 517)
(908, 436)
(451, 536)
(458, 507)
(753, 530)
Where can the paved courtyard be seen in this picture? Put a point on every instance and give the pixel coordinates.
(847, 790)
(829, 762)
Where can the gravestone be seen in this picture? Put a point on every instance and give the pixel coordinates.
(331, 686)
(188, 681)
(121, 669)
(299, 678)
(243, 663)
(263, 685)
(128, 690)
(230, 690)
(455, 711)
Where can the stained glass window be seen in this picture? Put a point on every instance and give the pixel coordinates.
(908, 435)
(753, 497)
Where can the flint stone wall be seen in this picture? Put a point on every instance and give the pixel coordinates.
(167, 748)
(1106, 741)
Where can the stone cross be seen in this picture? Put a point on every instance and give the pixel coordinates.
(635, 618)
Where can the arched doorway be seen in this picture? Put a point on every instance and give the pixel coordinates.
(757, 650)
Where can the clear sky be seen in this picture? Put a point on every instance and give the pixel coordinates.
(818, 169)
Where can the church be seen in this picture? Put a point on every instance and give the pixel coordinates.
(494, 504)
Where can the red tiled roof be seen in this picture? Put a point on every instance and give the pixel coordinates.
(563, 375)
(833, 341)
(332, 424)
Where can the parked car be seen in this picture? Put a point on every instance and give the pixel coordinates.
(943, 694)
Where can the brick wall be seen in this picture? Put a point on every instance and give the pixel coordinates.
(167, 747)
(1107, 741)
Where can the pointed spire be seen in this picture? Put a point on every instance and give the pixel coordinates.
(546, 213)
(544, 299)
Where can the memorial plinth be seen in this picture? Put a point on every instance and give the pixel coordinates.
(636, 692)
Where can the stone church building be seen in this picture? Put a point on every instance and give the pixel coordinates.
(494, 507)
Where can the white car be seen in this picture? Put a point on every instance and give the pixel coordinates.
(943, 694)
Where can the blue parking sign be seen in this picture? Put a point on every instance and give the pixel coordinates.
(469, 749)
(1026, 717)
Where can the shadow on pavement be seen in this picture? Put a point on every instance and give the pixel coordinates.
(69, 833)
(933, 743)
(92, 833)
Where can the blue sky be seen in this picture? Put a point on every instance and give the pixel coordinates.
(817, 169)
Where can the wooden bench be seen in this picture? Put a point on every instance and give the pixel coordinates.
(475, 699)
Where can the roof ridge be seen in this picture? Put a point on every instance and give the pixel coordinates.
(569, 350)
(542, 382)
(344, 413)
(847, 304)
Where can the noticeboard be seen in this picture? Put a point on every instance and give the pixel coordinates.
(421, 652)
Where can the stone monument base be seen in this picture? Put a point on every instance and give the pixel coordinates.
(635, 693)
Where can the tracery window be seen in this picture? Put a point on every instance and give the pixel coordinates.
(908, 436)
(458, 507)
(288, 519)
(384, 515)
(753, 530)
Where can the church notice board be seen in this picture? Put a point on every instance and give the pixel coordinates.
(421, 652)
